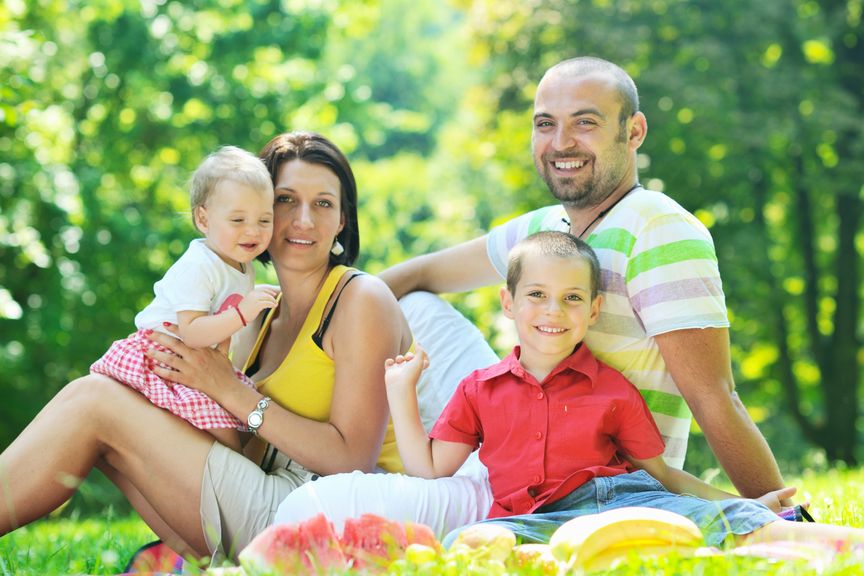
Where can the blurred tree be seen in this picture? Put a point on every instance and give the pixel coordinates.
(103, 116)
(754, 125)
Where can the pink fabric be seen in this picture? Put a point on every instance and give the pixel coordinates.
(125, 362)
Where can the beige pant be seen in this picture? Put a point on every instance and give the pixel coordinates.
(239, 499)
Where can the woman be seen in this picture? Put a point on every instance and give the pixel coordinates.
(319, 356)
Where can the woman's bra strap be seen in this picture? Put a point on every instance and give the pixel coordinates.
(318, 337)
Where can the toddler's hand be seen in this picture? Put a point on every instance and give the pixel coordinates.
(261, 298)
(404, 371)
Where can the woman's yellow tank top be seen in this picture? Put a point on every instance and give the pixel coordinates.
(304, 382)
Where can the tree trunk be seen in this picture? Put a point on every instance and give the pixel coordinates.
(840, 372)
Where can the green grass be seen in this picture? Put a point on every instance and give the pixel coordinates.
(65, 546)
(102, 545)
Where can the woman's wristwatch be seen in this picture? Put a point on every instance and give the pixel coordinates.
(256, 417)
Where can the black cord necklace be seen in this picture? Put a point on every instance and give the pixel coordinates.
(604, 212)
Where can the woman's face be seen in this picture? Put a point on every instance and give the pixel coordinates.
(307, 214)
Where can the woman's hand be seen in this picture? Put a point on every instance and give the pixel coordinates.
(203, 369)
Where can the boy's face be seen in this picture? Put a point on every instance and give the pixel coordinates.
(237, 221)
(552, 305)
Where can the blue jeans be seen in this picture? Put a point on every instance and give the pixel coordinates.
(716, 518)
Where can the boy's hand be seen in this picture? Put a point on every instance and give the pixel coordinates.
(261, 298)
(774, 498)
(403, 372)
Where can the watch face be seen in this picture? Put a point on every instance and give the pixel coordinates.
(255, 419)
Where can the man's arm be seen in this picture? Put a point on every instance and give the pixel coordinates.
(459, 268)
(681, 482)
(699, 363)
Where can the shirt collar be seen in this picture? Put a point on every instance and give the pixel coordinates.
(581, 360)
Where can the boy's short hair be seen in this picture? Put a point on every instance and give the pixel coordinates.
(559, 244)
(227, 163)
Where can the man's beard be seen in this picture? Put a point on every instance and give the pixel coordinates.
(574, 194)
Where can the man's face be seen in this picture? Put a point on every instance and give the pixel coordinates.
(580, 147)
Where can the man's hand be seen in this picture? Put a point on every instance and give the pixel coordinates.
(774, 499)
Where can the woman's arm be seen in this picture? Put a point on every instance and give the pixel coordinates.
(366, 329)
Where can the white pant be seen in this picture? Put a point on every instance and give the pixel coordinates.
(455, 349)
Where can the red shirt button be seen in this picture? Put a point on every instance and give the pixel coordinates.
(539, 395)
(538, 435)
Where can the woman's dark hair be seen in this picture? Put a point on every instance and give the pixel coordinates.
(316, 149)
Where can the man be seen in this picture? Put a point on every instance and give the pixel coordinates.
(664, 321)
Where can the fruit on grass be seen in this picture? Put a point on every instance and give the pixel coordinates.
(611, 557)
(535, 556)
(312, 547)
(493, 540)
(307, 547)
(420, 553)
(373, 542)
(583, 538)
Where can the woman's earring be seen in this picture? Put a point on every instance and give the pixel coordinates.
(337, 248)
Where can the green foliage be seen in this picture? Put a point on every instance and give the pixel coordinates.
(105, 115)
(754, 124)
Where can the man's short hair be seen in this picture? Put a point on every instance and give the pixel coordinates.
(227, 163)
(628, 95)
(551, 243)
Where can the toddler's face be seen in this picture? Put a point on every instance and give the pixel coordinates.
(552, 305)
(237, 221)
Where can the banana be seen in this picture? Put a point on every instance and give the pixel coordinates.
(581, 539)
(609, 558)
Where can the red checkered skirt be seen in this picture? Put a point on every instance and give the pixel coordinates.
(125, 362)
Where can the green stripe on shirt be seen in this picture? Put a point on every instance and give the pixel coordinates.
(536, 224)
(617, 239)
(671, 253)
(666, 404)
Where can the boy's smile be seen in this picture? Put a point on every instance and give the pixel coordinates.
(552, 309)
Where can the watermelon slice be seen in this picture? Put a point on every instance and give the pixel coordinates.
(371, 542)
(310, 547)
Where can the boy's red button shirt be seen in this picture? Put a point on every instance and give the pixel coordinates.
(542, 440)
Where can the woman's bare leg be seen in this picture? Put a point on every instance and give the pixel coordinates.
(227, 437)
(839, 536)
(146, 511)
(95, 418)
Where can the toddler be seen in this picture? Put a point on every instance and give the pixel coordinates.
(209, 293)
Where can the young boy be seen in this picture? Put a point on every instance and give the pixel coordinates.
(209, 293)
(563, 434)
